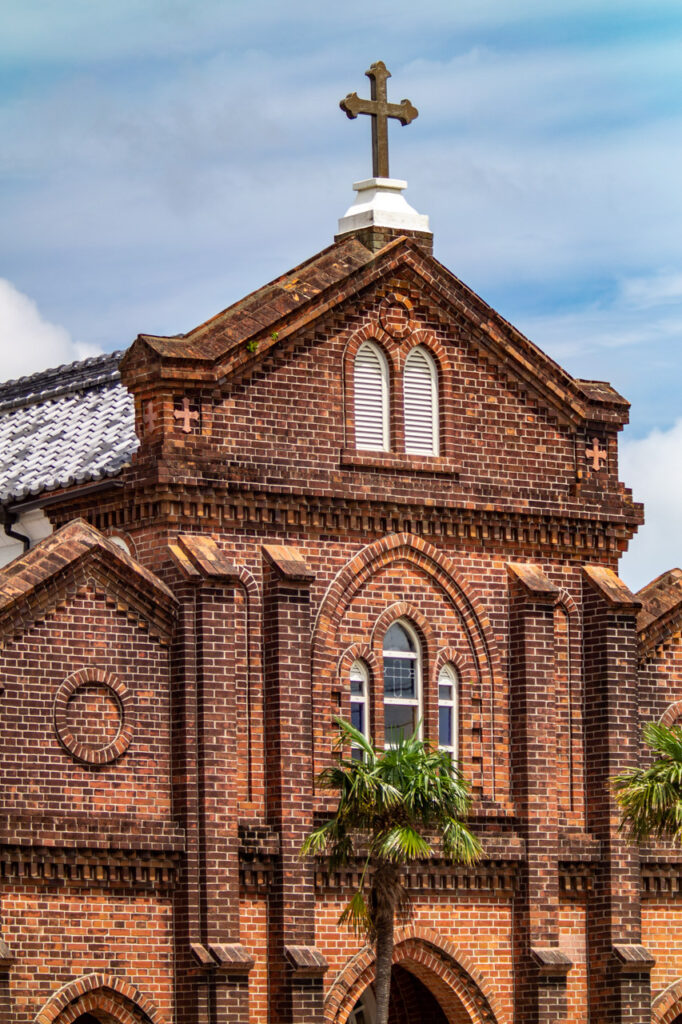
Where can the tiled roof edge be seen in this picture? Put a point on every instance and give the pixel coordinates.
(82, 375)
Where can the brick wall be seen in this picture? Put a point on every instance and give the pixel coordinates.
(61, 935)
(36, 772)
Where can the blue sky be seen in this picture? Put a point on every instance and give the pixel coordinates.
(160, 159)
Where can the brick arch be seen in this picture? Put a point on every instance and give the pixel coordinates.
(668, 1005)
(423, 555)
(439, 567)
(672, 714)
(461, 990)
(570, 607)
(449, 656)
(356, 652)
(375, 335)
(113, 999)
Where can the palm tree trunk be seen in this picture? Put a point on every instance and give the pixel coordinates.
(384, 957)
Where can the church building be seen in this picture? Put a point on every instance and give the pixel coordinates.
(358, 491)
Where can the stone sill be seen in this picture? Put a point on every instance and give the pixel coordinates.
(351, 458)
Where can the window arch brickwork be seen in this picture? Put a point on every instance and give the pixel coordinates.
(485, 685)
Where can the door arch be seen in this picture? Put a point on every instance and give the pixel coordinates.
(99, 998)
(460, 992)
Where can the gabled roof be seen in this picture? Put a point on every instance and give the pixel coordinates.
(64, 426)
(266, 306)
(244, 332)
(75, 547)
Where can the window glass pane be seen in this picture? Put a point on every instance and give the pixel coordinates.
(356, 754)
(444, 691)
(445, 727)
(399, 719)
(356, 686)
(357, 716)
(398, 639)
(400, 678)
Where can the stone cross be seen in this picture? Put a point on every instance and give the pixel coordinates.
(597, 454)
(379, 109)
(186, 415)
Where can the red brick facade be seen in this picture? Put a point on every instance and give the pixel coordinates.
(164, 715)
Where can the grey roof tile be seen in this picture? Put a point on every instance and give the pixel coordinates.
(72, 424)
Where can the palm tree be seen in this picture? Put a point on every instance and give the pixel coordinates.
(651, 798)
(393, 804)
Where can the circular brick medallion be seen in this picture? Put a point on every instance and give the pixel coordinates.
(395, 316)
(92, 716)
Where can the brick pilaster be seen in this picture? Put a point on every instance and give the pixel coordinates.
(541, 988)
(186, 910)
(295, 996)
(211, 650)
(619, 967)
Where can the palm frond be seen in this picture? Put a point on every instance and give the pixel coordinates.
(650, 798)
(356, 914)
(401, 844)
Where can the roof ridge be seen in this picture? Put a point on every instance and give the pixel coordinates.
(82, 374)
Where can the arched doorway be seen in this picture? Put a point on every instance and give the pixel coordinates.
(433, 982)
(87, 1018)
(411, 1003)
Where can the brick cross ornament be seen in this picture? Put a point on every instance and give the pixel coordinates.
(597, 455)
(186, 415)
(379, 109)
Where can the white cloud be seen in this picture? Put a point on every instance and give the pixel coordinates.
(28, 342)
(652, 466)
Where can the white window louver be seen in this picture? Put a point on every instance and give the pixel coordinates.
(420, 395)
(371, 399)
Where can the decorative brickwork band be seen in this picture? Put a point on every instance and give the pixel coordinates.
(450, 976)
(90, 753)
(99, 993)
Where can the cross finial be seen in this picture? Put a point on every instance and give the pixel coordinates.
(379, 109)
(597, 455)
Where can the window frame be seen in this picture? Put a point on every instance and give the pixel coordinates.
(363, 699)
(385, 399)
(451, 679)
(421, 351)
(417, 656)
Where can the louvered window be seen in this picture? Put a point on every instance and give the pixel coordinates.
(420, 394)
(371, 399)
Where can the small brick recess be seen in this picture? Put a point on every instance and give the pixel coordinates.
(173, 655)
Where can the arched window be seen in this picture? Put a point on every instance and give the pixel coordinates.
(359, 703)
(420, 397)
(402, 682)
(371, 398)
(448, 725)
